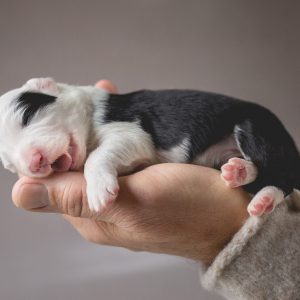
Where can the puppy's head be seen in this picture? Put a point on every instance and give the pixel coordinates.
(43, 128)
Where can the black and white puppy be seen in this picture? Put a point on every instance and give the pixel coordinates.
(48, 126)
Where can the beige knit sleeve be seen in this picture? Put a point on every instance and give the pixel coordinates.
(262, 261)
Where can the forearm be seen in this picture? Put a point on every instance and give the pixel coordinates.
(262, 261)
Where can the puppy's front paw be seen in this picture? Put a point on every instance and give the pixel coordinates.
(237, 172)
(265, 201)
(101, 191)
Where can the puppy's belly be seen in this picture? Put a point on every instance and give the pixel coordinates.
(214, 156)
(218, 154)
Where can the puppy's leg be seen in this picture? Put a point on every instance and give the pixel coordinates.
(122, 145)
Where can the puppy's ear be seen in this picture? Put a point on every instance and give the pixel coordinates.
(42, 85)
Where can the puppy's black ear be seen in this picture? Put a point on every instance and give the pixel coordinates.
(31, 102)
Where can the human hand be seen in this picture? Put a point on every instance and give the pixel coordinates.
(178, 209)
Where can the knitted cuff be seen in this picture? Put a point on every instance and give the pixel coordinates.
(231, 251)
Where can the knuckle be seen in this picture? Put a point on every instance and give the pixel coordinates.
(73, 201)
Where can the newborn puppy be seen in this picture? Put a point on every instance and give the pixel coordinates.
(51, 127)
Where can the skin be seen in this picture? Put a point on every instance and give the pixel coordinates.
(178, 209)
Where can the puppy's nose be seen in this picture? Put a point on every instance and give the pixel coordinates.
(39, 163)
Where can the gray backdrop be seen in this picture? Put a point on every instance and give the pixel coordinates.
(248, 49)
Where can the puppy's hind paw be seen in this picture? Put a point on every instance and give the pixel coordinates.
(265, 201)
(237, 172)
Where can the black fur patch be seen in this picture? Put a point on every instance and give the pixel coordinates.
(170, 116)
(31, 102)
(204, 118)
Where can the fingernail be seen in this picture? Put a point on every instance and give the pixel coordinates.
(35, 195)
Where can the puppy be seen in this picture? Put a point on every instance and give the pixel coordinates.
(51, 127)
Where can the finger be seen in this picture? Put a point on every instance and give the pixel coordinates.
(60, 193)
(65, 193)
(106, 85)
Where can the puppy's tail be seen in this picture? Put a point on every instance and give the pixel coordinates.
(294, 198)
(297, 177)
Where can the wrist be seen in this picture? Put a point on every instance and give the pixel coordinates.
(227, 227)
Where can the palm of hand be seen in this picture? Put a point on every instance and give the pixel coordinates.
(172, 208)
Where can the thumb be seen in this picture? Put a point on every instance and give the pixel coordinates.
(59, 193)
